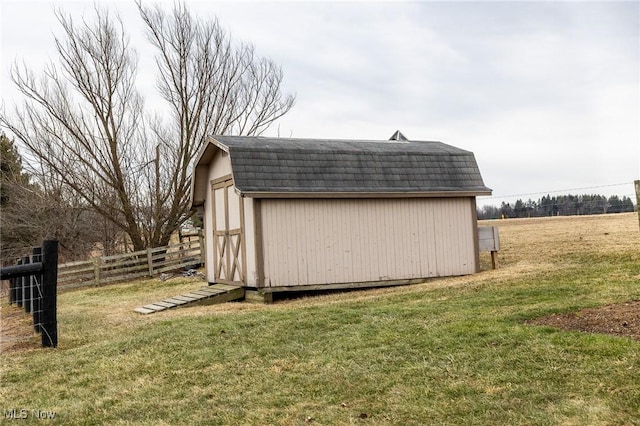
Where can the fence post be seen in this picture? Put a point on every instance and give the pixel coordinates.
(637, 185)
(203, 247)
(49, 297)
(19, 288)
(150, 261)
(12, 291)
(26, 289)
(96, 270)
(36, 291)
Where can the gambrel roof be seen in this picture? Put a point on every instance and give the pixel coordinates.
(266, 167)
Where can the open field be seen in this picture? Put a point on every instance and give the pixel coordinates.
(449, 351)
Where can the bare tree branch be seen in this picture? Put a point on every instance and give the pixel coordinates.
(84, 120)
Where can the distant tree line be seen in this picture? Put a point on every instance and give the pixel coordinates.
(560, 205)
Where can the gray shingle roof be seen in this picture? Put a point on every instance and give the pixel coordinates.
(275, 165)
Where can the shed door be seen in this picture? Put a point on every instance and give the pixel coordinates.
(228, 236)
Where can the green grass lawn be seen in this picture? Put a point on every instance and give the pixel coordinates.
(451, 351)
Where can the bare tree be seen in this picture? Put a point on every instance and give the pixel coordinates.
(34, 215)
(33, 207)
(84, 120)
(212, 87)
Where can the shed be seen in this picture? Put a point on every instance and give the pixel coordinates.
(306, 214)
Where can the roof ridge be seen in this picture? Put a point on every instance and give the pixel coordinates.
(297, 139)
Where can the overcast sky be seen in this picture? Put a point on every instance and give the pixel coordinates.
(546, 94)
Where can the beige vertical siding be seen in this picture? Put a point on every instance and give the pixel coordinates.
(251, 275)
(307, 242)
(329, 241)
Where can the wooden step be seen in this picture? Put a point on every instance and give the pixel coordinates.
(217, 293)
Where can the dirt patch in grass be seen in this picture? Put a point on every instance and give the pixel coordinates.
(622, 319)
(16, 330)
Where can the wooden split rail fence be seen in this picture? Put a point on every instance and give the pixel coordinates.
(129, 266)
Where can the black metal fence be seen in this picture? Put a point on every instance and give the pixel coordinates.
(33, 283)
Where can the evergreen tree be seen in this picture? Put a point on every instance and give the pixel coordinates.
(615, 204)
(506, 210)
(33, 208)
(561, 205)
(11, 173)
